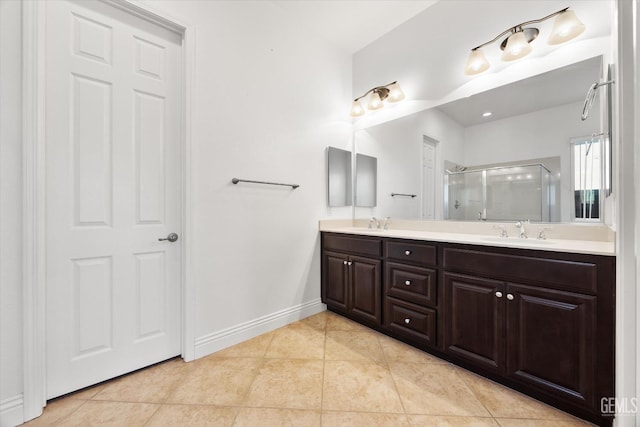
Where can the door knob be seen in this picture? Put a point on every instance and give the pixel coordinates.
(172, 237)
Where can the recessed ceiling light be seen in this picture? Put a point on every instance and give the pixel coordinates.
(487, 114)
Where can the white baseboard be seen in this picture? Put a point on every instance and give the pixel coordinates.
(12, 411)
(217, 341)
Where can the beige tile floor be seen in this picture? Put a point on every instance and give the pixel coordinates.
(321, 371)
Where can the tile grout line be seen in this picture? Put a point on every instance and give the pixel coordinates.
(395, 385)
(324, 366)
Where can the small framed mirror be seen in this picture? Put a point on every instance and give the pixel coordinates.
(339, 177)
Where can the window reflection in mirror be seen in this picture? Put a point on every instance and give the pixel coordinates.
(587, 183)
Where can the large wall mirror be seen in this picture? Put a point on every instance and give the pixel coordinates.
(519, 151)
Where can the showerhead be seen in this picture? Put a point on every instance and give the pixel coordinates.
(591, 96)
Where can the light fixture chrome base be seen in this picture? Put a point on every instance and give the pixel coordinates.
(529, 33)
(382, 92)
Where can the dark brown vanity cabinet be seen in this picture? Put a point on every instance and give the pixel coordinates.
(544, 321)
(411, 287)
(535, 335)
(541, 322)
(351, 282)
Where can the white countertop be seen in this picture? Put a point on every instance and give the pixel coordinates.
(472, 236)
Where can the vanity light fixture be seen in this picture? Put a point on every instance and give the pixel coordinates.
(379, 94)
(517, 45)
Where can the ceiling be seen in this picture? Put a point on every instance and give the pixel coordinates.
(352, 24)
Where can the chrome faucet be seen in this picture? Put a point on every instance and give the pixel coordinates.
(503, 230)
(523, 232)
(372, 220)
(387, 221)
(541, 233)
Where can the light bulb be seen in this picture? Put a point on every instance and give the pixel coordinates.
(476, 63)
(395, 93)
(375, 103)
(517, 47)
(356, 109)
(566, 26)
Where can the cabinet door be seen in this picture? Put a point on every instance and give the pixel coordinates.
(366, 292)
(334, 281)
(550, 336)
(474, 328)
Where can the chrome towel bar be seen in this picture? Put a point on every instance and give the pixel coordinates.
(236, 180)
(402, 194)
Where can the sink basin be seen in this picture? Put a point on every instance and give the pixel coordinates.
(517, 241)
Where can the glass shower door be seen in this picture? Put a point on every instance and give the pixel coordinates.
(464, 196)
(518, 192)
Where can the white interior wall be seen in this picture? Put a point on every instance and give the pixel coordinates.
(10, 214)
(627, 195)
(258, 114)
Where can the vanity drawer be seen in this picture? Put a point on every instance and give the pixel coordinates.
(351, 244)
(564, 274)
(411, 321)
(413, 284)
(411, 252)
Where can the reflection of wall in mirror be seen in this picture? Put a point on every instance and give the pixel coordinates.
(398, 146)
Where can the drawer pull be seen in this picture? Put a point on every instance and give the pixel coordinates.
(510, 297)
(407, 320)
(407, 282)
(407, 252)
(499, 294)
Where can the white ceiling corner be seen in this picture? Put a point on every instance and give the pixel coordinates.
(352, 24)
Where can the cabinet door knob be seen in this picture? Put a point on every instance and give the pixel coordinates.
(344, 262)
(407, 282)
(349, 263)
(510, 297)
(407, 252)
(407, 320)
(499, 294)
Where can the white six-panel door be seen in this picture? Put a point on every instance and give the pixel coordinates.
(429, 179)
(113, 188)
